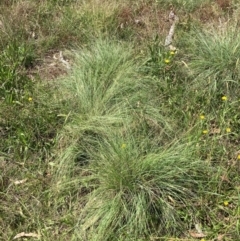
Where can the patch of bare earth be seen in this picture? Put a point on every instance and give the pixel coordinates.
(146, 19)
(51, 66)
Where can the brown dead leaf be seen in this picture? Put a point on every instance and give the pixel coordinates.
(196, 234)
(20, 181)
(220, 237)
(23, 234)
(198, 227)
(224, 177)
(215, 131)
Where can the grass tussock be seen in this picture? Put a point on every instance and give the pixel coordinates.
(215, 59)
(141, 192)
(103, 93)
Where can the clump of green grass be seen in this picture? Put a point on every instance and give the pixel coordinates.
(136, 191)
(104, 92)
(135, 184)
(215, 59)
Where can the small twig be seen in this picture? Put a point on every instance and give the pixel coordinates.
(62, 60)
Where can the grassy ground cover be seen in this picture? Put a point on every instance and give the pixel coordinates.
(106, 134)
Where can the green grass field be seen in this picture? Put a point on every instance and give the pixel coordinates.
(106, 133)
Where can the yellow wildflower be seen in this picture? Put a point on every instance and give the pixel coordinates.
(228, 130)
(226, 203)
(167, 61)
(30, 99)
(224, 98)
(203, 239)
(123, 146)
(238, 157)
(205, 131)
(172, 52)
(202, 117)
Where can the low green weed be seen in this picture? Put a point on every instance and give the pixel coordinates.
(29, 125)
(161, 60)
(14, 83)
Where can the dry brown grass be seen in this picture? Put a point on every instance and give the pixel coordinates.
(225, 5)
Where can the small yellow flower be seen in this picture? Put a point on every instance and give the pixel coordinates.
(238, 157)
(205, 131)
(224, 98)
(30, 99)
(172, 52)
(167, 61)
(226, 203)
(123, 146)
(228, 130)
(202, 239)
(202, 117)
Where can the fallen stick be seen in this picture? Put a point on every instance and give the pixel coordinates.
(169, 39)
